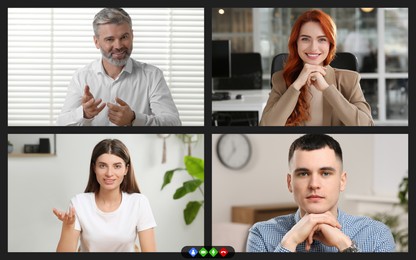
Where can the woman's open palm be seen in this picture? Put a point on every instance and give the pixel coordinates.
(68, 218)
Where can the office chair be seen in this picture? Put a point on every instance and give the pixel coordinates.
(342, 60)
(246, 73)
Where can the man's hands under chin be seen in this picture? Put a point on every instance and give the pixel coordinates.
(328, 235)
(323, 227)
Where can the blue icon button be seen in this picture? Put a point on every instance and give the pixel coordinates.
(193, 252)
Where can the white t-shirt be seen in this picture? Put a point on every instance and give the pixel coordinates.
(111, 231)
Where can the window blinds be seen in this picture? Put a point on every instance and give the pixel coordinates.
(47, 45)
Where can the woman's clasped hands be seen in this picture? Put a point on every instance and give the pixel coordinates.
(312, 75)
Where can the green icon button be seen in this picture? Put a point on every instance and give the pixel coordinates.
(203, 252)
(213, 252)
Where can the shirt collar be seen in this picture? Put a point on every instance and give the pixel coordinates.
(99, 68)
(340, 217)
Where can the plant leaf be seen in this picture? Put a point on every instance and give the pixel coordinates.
(404, 193)
(194, 166)
(191, 211)
(168, 176)
(187, 187)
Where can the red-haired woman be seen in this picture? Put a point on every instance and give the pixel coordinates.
(309, 92)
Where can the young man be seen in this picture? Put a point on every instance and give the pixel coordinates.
(116, 89)
(316, 179)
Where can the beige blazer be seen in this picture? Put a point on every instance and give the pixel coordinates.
(344, 102)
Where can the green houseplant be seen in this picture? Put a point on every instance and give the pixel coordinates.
(195, 168)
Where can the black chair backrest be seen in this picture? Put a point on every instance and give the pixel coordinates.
(342, 60)
(246, 72)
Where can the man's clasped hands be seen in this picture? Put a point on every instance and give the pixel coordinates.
(322, 227)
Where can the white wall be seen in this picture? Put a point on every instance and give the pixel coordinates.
(37, 184)
(263, 180)
(391, 160)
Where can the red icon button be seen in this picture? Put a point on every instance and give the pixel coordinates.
(223, 252)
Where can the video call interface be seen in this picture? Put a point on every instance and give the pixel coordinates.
(195, 101)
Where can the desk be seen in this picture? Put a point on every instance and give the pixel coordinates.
(253, 100)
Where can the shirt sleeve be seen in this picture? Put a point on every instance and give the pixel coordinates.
(349, 104)
(163, 109)
(384, 240)
(77, 224)
(256, 242)
(72, 113)
(280, 104)
(146, 219)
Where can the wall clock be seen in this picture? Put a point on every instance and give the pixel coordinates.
(234, 150)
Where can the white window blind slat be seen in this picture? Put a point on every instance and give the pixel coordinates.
(47, 45)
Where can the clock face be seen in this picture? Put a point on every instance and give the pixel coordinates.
(234, 150)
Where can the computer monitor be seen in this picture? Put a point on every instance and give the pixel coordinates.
(221, 58)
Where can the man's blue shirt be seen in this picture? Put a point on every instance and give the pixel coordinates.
(369, 235)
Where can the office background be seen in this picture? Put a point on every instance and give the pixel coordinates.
(375, 165)
(377, 36)
(36, 184)
(47, 45)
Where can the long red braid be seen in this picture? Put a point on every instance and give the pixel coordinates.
(294, 64)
